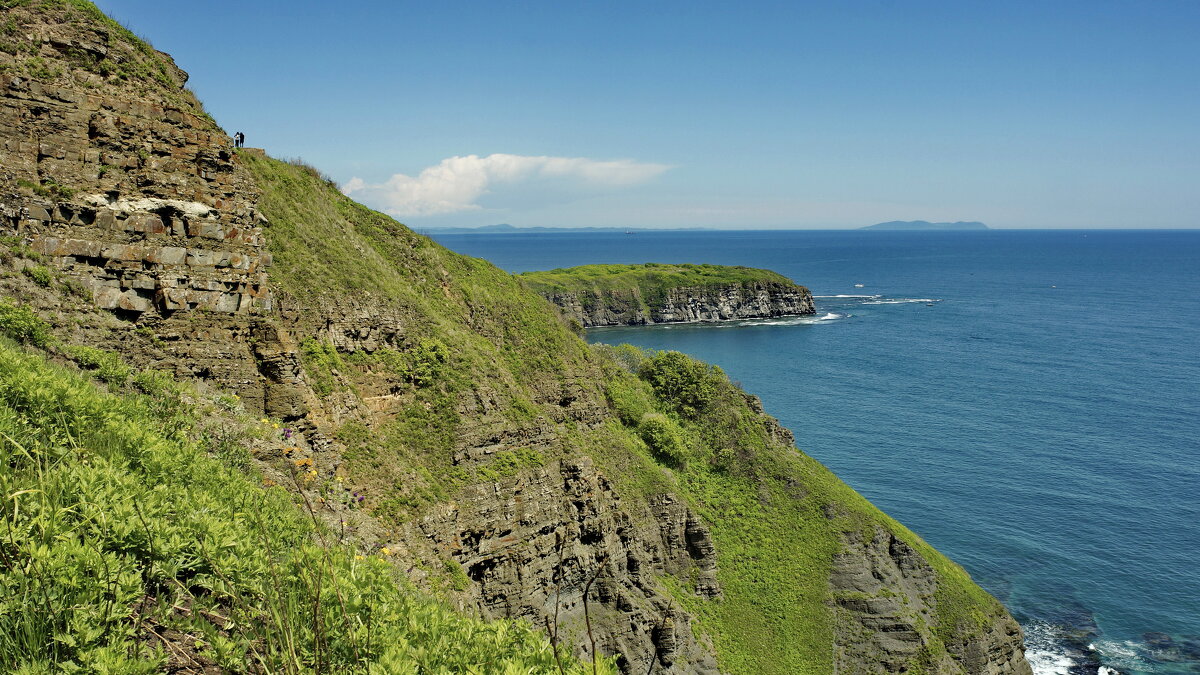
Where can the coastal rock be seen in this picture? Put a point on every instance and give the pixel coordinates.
(629, 307)
(885, 593)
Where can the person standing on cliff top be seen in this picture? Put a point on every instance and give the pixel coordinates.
(239, 140)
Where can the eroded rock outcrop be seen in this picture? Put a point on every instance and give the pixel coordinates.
(886, 594)
(629, 307)
(532, 544)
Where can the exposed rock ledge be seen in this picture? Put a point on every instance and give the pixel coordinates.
(633, 295)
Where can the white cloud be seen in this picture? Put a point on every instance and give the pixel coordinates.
(456, 183)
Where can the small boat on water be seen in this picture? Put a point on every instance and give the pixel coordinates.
(858, 285)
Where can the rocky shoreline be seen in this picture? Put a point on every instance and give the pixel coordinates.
(630, 307)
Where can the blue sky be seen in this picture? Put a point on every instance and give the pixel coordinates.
(736, 115)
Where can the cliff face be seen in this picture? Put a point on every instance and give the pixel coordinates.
(514, 469)
(696, 304)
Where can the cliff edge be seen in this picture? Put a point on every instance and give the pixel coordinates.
(634, 295)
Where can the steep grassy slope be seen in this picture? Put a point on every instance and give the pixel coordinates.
(127, 547)
(662, 424)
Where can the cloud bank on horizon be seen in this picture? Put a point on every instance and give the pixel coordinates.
(455, 184)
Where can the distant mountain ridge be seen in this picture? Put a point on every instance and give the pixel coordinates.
(505, 228)
(926, 225)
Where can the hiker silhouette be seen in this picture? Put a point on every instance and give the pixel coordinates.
(239, 140)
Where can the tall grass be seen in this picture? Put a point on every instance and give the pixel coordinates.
(124, 548)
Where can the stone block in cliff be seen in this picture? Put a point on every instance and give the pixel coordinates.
(687, 542)
(37, 212)
(171, 299)
(167, 255)
(133, 301)
(148, 223)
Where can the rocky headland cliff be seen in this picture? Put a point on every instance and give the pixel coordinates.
(424, 409)
(634, 295)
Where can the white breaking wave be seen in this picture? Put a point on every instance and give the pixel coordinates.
(900, 301)
(852, 297)
(1044, 652)
(1048, 663)
(797, 320)
(1122, 655)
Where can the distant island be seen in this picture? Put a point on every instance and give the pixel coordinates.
(926, 225)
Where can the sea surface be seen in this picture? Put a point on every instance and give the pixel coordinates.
(1026, 401)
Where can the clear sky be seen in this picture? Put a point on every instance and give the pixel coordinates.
(715, 114)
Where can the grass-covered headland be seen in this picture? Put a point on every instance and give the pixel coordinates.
(634, 294)
(649, 277)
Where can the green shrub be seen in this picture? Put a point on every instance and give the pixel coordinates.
(426, 361)
(684, 383)
(320, 360)
(629, 398)
(39, 274)
(23, 325)
(458, 578)
(108, 365)
(664, 438)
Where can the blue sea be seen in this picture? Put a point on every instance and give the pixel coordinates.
(1026, 401)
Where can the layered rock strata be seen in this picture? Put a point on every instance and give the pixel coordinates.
(696, 304)
(884, 592)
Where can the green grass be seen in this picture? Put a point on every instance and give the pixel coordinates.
(22, 324)
(116, 528)
(39, 274)
(646, 276)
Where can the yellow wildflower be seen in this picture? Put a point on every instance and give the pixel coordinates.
(385, 551)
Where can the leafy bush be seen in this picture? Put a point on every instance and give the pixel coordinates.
(665, 439)
(320, 360)
(108, 365)
(39, 274)
(425, 361)
(23, 325)
(684, 383)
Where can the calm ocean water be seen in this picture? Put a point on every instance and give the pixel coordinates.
(1027, 401)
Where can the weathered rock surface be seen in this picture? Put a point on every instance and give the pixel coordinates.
(129, 188)
(533, 544)
(885, 593)
(759, 300)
